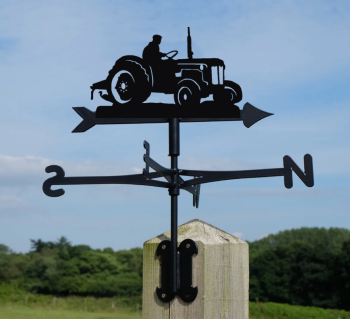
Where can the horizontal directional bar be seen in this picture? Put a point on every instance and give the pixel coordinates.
(112, 115)
(191, 185)
(307, 177)
(137, 179)
(212, 176)
(60, 179)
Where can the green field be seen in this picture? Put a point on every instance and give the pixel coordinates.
(19, 304)
(47, 307)
(20, 312)
(272, 310)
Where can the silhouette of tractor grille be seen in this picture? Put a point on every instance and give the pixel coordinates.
(217, 75)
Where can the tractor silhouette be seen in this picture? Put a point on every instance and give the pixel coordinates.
(132, 80)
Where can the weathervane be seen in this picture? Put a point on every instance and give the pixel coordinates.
(129, 84)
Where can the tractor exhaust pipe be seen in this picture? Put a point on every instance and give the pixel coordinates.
(189, 45)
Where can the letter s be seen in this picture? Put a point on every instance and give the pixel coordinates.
(55, 180)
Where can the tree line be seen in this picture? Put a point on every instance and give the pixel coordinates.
(60, 268)
(306, 266)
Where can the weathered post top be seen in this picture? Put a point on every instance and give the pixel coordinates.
(220, 270)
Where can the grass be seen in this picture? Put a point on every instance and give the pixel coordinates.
(76, 308)
(21, 312)
(19, 304)
(272, 310)
(88, 304)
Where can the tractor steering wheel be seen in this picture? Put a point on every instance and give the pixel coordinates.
(170, 57)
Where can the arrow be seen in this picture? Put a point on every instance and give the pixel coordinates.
(109, 115)
(251, 115)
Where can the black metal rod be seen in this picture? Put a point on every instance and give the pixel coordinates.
(208, 177)
(174, 243)
(174, 152)
(174, 138)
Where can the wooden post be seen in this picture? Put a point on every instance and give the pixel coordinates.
(220, 270)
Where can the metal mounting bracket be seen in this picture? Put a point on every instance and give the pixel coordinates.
(168, 174)
(185, 253)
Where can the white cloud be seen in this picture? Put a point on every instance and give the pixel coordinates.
(29, 170)
(12, 202)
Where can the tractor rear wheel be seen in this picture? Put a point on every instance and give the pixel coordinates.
(187, 93)
(128, 83)
(231, 94)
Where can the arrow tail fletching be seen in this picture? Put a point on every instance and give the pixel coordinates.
(88, 119)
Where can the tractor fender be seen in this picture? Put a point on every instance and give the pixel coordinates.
(186, 79)
(195, 76)
(133, 58)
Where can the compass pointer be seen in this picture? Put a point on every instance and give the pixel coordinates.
(250, 115)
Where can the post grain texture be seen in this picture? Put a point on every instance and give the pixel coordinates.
(220, 270)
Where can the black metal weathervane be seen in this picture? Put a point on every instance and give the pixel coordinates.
(129, 84)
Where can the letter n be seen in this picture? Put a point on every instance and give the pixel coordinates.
(289, 166)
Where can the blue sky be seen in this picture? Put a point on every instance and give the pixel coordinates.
(291, 58)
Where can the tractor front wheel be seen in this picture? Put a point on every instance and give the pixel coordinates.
(231, 94)
(187, 93)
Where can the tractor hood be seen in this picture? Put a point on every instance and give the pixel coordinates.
(208, 62)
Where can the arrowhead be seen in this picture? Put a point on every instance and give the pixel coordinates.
(88, 119)
(250, 115)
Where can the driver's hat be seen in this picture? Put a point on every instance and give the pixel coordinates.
(157, 36)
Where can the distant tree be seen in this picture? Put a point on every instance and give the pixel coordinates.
(331, 238)
(298, 274)
(12, 266)
(62, 243)
(76, 251)
(4, 249)
(108, 250)
(39, 245)
(342, 277)
(132, 259)
(307, 266)
(94, 262)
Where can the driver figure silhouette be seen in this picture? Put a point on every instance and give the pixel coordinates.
(163, 70)
(151, 52)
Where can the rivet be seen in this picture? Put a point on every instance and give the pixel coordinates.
(188, 246)
(163, 295)
(163, 247)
